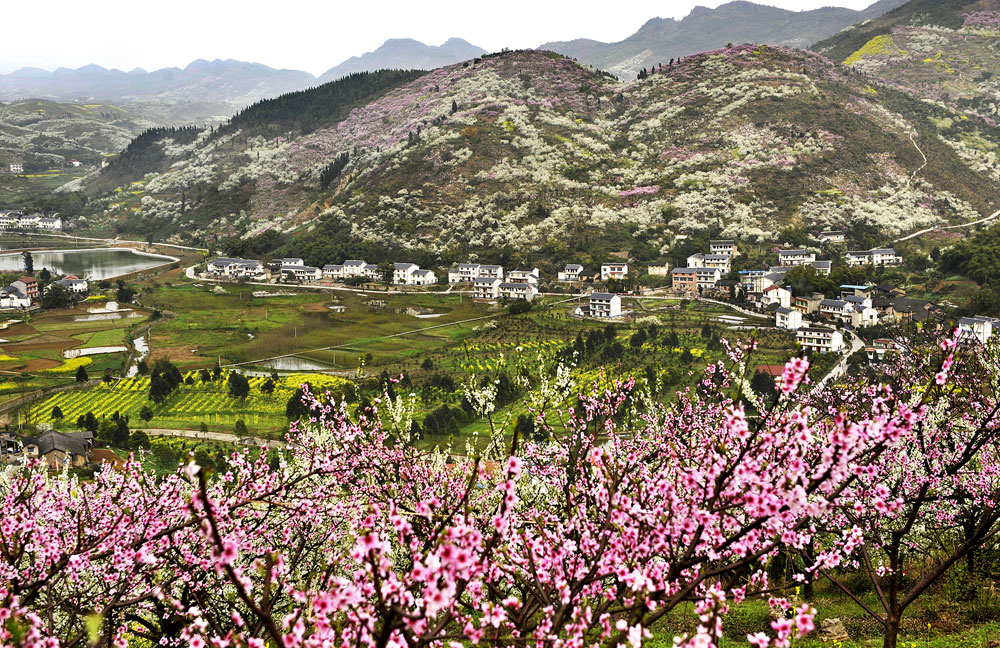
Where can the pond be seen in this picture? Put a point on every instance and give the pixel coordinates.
(294, 364)
(95, 264)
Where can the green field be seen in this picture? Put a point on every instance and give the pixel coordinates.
(31, 355)
(188, 407)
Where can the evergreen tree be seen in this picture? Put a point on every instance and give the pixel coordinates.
(239, 386)
(146, 413)
(29, 263)
(57, 413)
(81, 374)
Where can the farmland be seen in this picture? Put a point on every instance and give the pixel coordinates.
(32, 345)
(194, 402)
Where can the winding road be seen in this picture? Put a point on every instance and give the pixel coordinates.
(947, 227)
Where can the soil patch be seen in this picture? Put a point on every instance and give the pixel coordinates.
(39, 364)
(43, 342)
(177, 355)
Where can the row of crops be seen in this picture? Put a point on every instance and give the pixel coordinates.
(188, 406)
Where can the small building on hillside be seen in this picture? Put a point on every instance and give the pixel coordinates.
(570, 272)
(822, 267)
(831, 236)
(659, 270)
(777, 295)
(723, 246)
(795, 258)
(605, 305)
(614, 271)
(808, 305)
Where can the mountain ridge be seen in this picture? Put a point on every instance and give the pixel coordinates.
(531, 151)
(660, 39)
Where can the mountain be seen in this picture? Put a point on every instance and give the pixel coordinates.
(231, 82)
(533, 153)
(662, 39)
(946, 51)
(405, 54)
(44, 134)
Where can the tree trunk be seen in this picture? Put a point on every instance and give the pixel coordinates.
(891, 632)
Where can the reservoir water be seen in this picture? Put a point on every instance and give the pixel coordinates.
(94, 264)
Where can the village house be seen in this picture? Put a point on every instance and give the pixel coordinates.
(696, 260)
(291, 261)
(820, 339)
(777, 295)
(402, 273)
(831, 236)
(605, 305)
(237, 268)
(659, 270)
(74, 162)
(9, 220)
(12, 297)
(787, 318)
(486, 288)
(491, 271)
(354, 268)
(73, 284)
(835, 309)
(524, 275)
(58, 449)
(570, 272)
(301, 273)
(978, 327)
(795, 257)
(28, 221)
(614, 271)
(879, 347)
(28, 286)
(423, 278)
(727, 247)
(822, 267)
(752, 281)
(689, 280)
(855, 290)
(333, 271)
(16, 168)
(808, 305)
(518, 291)
(876, 257)
(721, 261)
(463, 272)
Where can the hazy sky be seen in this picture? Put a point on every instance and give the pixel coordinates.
(311, 35)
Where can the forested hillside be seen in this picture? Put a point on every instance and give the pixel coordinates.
(532, 152)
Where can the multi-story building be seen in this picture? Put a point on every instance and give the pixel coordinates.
(876, 257)
(614, 271)
(807, 305)
(977, 328)
(354, 268)
(486, 288)
(524, 275)
(571, 272)
(727, 247)
(237, 268)
(28, 286)
(787, 318)
(820, 339)
(696, 260)
(777, 295)
(605, 305)
(721, 261)
(301, 273)
(518, 291)
(822, 267)
(795, 257)
(333, 271)
(691, 279)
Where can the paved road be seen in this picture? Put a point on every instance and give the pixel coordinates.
(948, 227)
(841, 366)
(224, 437)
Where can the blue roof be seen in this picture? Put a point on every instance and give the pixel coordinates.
(854, 286)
